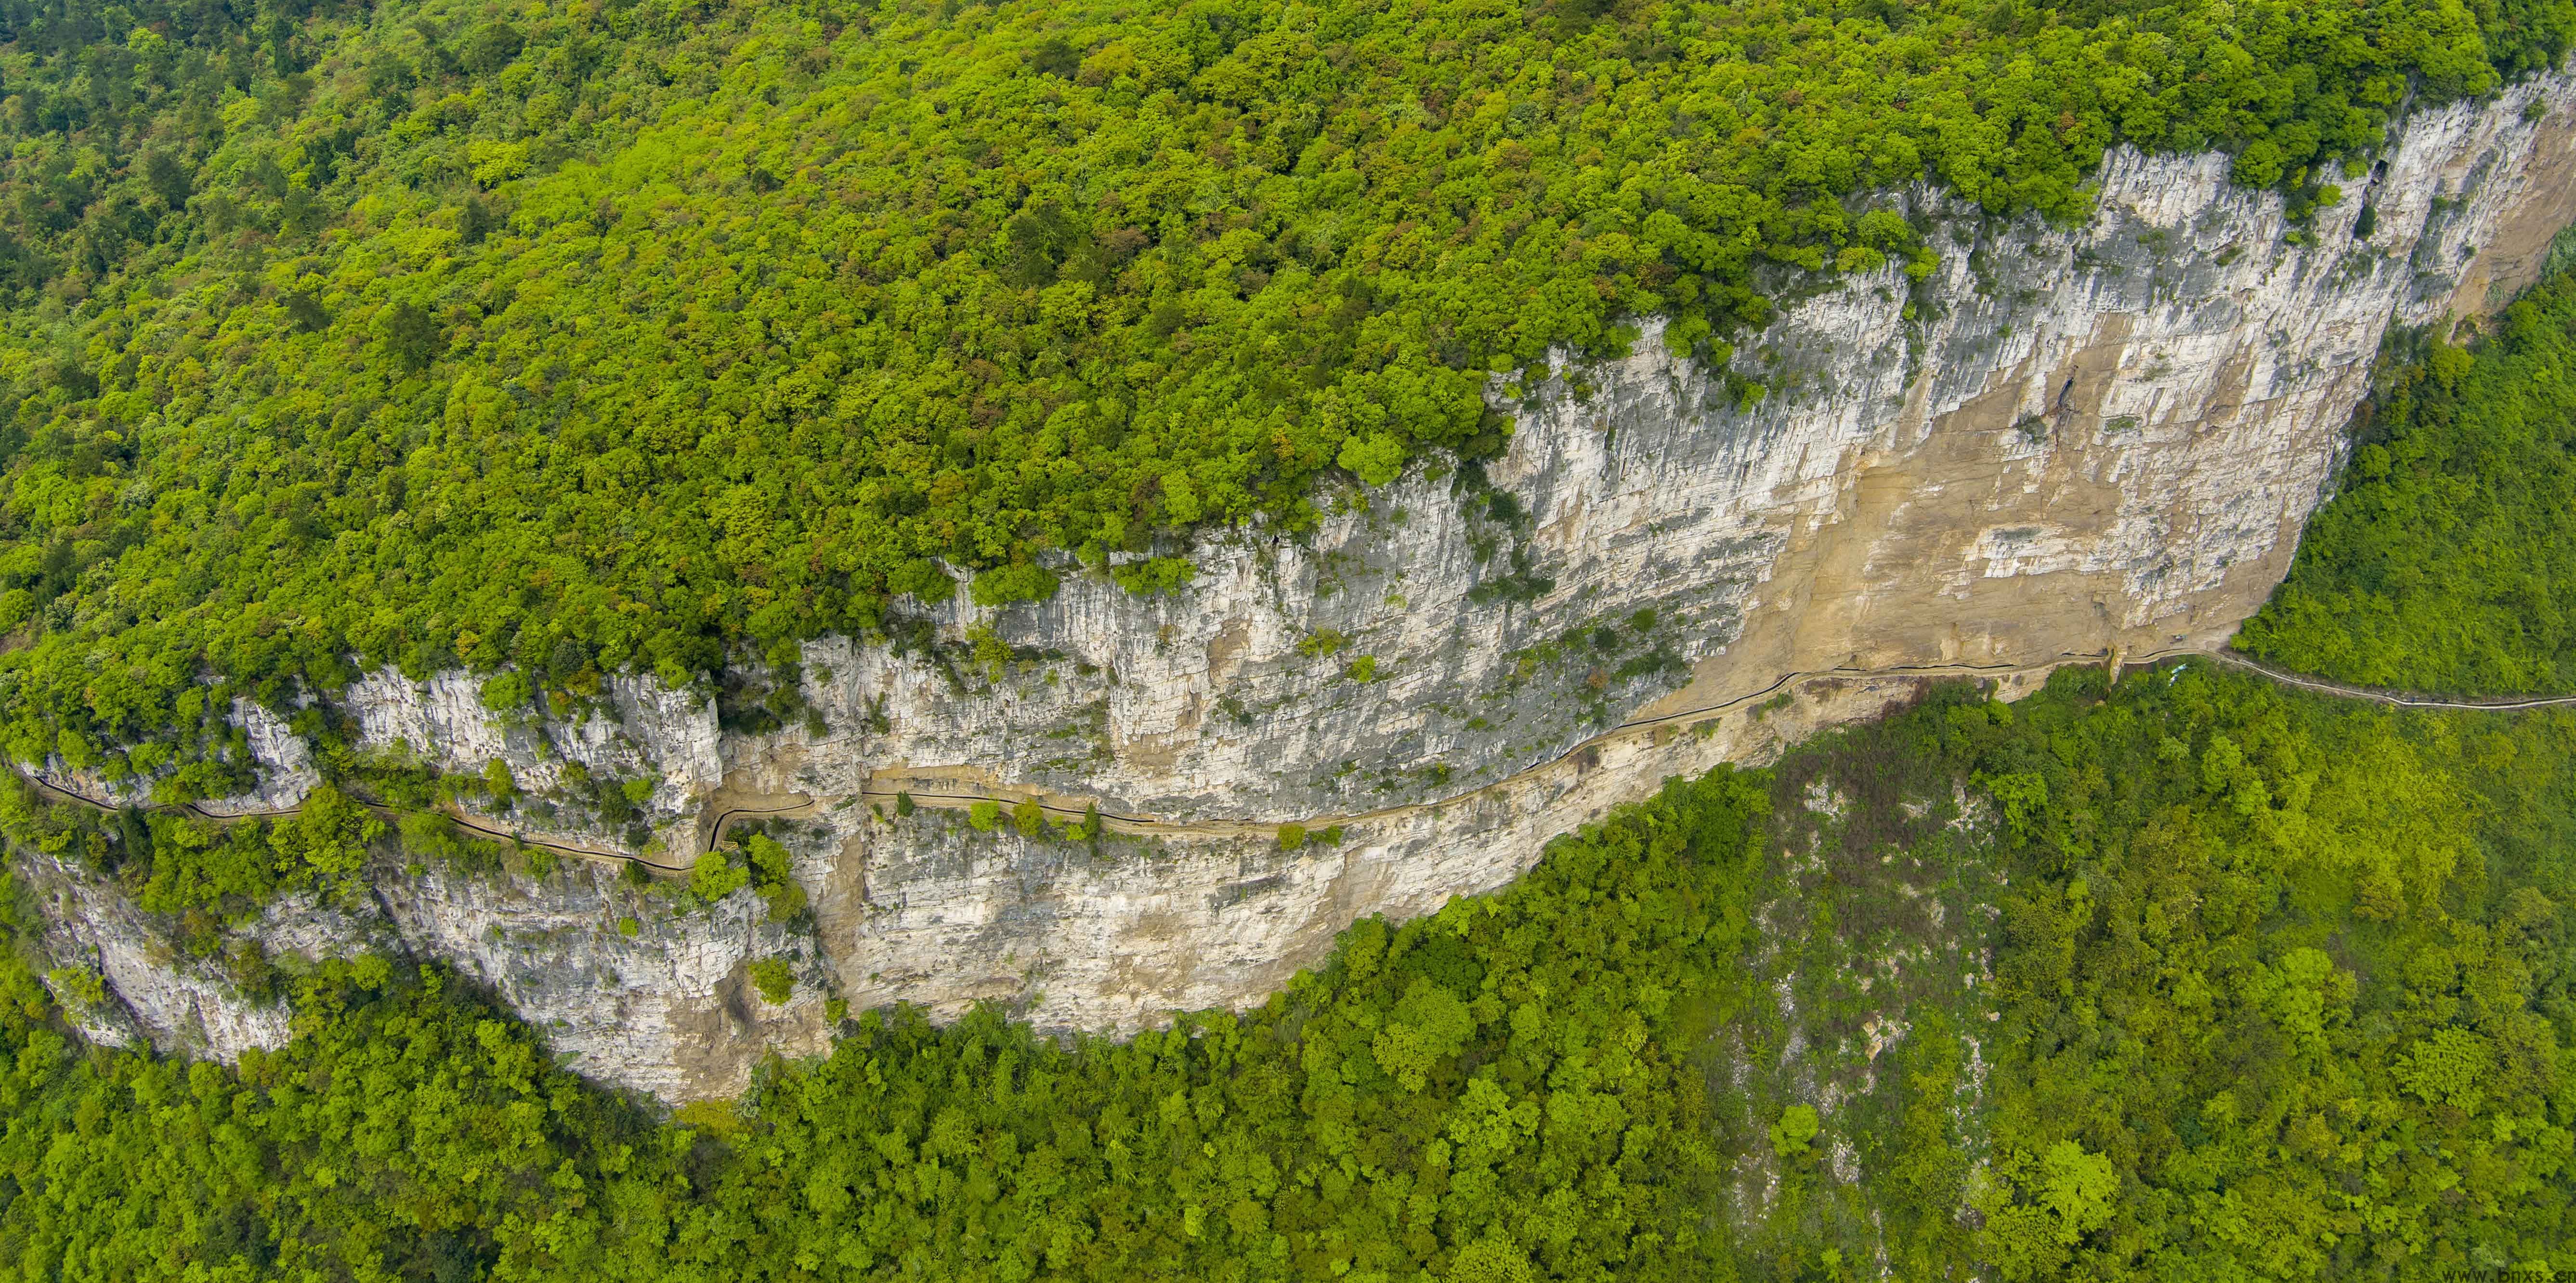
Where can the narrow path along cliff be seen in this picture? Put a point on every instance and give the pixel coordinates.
(969, 794)
(2397, 699)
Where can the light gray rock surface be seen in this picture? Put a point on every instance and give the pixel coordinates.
(2064, 441)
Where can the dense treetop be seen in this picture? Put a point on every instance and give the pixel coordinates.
(2444, 562)
(589, 336)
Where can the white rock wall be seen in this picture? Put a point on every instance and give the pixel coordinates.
(155, 992)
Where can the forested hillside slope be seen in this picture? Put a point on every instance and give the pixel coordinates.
(590, 337)
(576, 339)
(2174, 975)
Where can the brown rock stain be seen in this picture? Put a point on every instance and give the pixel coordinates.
(1905, 570)
(2512, 258)
(1225, 651)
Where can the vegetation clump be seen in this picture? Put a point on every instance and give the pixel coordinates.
(774, 980)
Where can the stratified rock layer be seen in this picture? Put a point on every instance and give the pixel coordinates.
(2062, 443)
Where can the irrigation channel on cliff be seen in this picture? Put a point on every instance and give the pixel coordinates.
(1147, 825)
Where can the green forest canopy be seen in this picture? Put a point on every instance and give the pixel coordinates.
(2282, 987)
(607, 335)
(2444, 562)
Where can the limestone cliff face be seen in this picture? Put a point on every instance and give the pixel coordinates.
(625, 990)
(2066, 440)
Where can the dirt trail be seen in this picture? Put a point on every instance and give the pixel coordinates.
(471, 823)
(886, 792)
(2398, 699)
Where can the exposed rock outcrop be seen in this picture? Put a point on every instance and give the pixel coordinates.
(2064, 441)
